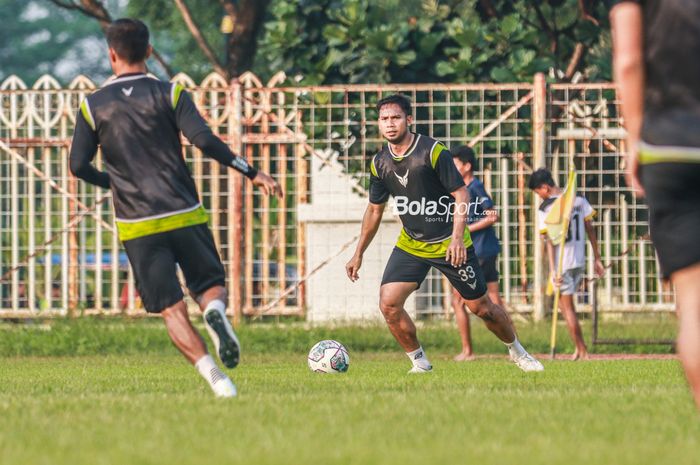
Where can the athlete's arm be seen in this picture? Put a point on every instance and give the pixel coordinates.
(593, 238)
(489, 219)
(456, 252)
(196, 130)
(628, 68)
(556, 279)
(82, 152)
(370, 224)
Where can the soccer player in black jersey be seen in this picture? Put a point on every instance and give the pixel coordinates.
(656, 45)
(432, 201)
(137, 121)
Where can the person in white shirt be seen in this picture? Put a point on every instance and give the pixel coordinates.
(574, 259)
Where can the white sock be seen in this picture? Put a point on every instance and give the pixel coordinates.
(515, 349)
(419, 359)
(217, 379)
(216, 304)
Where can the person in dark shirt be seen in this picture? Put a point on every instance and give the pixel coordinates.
(431, 200)
(481, 218)
(136, 120)
(656, 45)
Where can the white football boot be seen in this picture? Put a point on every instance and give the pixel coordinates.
(222, 384)
(527, 362)
(417, 369)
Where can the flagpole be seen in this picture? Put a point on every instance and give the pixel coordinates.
(560, 261)
(555, 311)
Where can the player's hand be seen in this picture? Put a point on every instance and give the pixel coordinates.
(456, 253)
(599, 268)
(632, 172)
(353, 266)
(267, 185)
(556, 281)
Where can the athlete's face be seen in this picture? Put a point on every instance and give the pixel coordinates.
(544, 191)
(394, 123)
(463, 168)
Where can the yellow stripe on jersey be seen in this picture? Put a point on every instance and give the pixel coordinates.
(650, 154)
(590, 216)
(128, 231)
(372, 168)
(175, 94)
(85, 110)
(425, 249)
(437, 150)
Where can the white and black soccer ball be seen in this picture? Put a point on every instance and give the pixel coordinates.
(329, 357)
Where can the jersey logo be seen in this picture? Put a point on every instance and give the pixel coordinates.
(402, 179)
(128, 91)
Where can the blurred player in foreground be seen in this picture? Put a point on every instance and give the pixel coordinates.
(656, 45)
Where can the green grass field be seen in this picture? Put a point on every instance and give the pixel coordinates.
(126, 397)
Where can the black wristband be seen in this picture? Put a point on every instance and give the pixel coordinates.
(252, 172)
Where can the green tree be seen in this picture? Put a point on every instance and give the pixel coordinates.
(340, 41)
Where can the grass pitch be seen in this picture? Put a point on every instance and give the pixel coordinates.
(150, 407)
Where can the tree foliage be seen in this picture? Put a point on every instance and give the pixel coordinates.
(334, 41)
(338, 41)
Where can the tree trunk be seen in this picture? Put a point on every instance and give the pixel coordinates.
(247, 17)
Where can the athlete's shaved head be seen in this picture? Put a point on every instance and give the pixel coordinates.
(396, 99)
(129, 39)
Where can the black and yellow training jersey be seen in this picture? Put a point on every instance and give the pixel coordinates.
(137, 120)
(420, 182)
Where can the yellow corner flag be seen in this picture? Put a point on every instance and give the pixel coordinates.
(557, 220)
(557, 223)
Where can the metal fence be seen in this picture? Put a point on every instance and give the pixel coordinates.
(58, 252)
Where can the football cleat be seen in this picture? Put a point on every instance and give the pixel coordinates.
(225, 341)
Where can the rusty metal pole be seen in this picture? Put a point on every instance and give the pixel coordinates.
(539, 134)
(73, 251)
(235, 203)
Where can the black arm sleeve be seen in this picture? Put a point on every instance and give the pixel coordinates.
(447, 172)
(195, 129)
(82, 152)
(378, 193)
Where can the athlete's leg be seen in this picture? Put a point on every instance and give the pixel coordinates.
(392, 297)
(687, 284)
(494, 316)
(197, 255)
(184, 336)
(189, 342)
(568, 310)
(494, 293)
(213, 293)
(462, 319)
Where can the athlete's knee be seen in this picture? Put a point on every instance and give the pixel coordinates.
(390, 309)
(483, 308)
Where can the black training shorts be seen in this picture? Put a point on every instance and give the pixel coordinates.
(404, 267)
(154, 259)
(672, 191)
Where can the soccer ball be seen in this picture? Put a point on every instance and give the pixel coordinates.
(329, 357)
